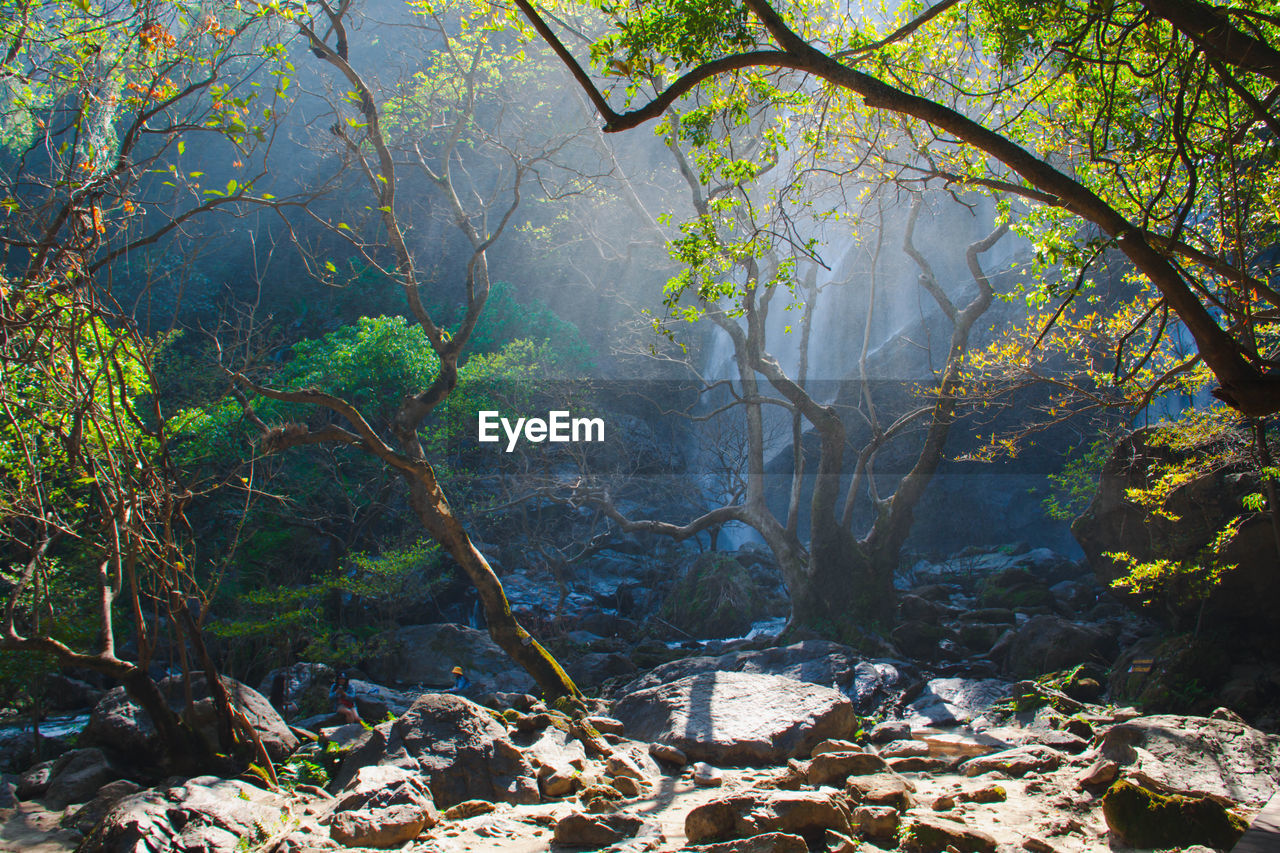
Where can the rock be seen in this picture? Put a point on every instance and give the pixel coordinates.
(1247, 598)
(1142, 818)
(903, 749)
(595, 668)
(202, 815)
(76, 777)
(342, 736)
(877, 822)
(1015, 762)
(804, 813)
(962, 744)
(425, 654)
(717, 597)
(607, 725)
(706, 776)
(558, 783)
(628, 786)
(987, 794)
(1198, 755)
(1100, 773)
(732, 717)
(600, 798)
(378, 787)
(596, 830)
(769, 842)
(306, 689)
(923, 834)
(1050, 643)
(471, 808)
(919, 764)
(913, 608)
(1039, 845)
(17, 749)
(836, 745)
(85, 818)
(1015, 589)
(1061, 741)
(874, 682)
(669, 754)
(384, 827)
(119, 726)
(8, 791)
(948, 701)
(887, 732)
(35, 781)
(867, 683)
(619, 764)
(885, 789)
(64, 693)
(462, 750)
(922, 639)
(832, 768)
(945, 803)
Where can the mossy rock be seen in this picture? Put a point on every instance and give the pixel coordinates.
(716, 597)
(1015, 589)
(1182, 678)
(1142, 818)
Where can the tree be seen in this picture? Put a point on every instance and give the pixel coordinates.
(430, 122)
(97, 102)
(1143, 126)
(742, 255)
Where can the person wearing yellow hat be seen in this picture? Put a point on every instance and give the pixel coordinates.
(460, 681)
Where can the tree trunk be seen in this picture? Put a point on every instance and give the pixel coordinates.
(432, 508)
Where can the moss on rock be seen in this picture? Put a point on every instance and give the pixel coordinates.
(715, 598)
(1142, 818)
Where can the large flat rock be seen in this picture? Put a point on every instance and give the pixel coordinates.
(1198, 755)
(738, 717)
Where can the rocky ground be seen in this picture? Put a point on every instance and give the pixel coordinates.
(996, 717)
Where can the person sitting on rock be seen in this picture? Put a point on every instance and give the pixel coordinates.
(460, 681)
(344, 699)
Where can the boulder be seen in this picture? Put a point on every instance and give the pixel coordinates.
(1050, 644)
(805, 813)
(87, 816)
(17, 749)
(76, 777)
(425, 654)
(203, 815)
(596, 830)
(928, 834)
(738, 718)
(883, 789)
(889, 731)
(706, 776)
(769, 842)
(64, 693)
(949, 701)
(874, 683)
(1197, 755)
(876, 822)
(924, 640)
(814, 661)
(1247, 598)
(385, 827)
(384, 795)
(120, 726)
(717, 597)
(669, 754)
(457, 745)
(1142, 818)
(1017, 762)
(595, 668)
(832, 768)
